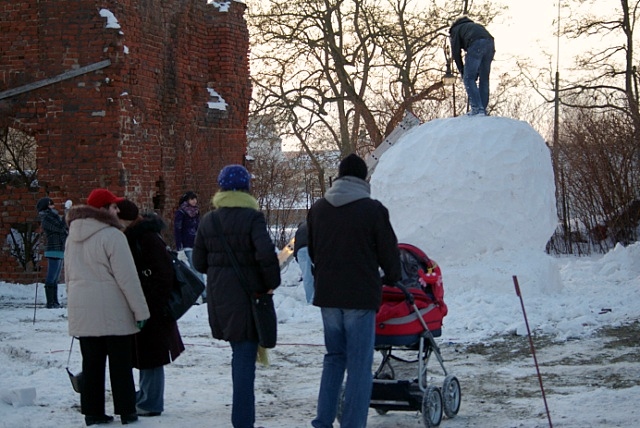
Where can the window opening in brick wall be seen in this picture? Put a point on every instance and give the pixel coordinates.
(17, 158)
(23, 243)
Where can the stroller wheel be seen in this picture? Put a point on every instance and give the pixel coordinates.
(386, 376)
(451, 396)
(432, 407)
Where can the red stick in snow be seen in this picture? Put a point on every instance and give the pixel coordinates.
(533, 351)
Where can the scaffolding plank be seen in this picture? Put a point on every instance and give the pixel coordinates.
(60, 77)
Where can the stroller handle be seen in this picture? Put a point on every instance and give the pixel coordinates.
(407, 295)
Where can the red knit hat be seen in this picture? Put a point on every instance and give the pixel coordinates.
(99, 198)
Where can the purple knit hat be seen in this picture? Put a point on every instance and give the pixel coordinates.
(234, 177)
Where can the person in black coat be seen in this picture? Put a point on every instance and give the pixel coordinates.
(479, 45)
(350, 237)
(230, 315)
(159, 342)
(56, 231)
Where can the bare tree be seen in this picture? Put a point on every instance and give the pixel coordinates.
(598, 176)
(598, 126)
(17, 157)
(606, 73)
(276, 185)
(337, 70)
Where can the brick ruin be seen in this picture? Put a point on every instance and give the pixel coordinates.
(156, 104)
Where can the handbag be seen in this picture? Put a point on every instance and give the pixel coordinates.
(77, 379)
(262, 307)
(187, 287)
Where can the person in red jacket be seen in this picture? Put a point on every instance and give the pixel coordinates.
(350, 238)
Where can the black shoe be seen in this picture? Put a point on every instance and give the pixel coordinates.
(97, 420)
(127, 419)
(144, 413)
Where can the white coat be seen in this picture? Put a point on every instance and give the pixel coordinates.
(104, 295)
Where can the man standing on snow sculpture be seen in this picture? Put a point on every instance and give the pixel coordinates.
(350, 237)
(478, 43)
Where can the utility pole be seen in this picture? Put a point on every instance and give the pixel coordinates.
(556, 103)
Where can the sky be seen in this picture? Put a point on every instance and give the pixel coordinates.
(525, 28)
(491, 175)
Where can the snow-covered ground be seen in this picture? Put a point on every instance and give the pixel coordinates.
(590, 381)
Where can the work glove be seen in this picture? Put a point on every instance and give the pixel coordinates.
(141, 324)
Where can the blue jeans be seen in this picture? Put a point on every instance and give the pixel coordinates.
(189, 253)
(243, 374)
(150, 397)
(54, 267)
(349, 335)
(477, 66)
(304, 261)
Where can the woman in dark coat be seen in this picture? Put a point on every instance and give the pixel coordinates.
(230, 317)
(159, 341)
(185, 226)
(56, 231)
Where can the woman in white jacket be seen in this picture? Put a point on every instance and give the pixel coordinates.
(106, 305)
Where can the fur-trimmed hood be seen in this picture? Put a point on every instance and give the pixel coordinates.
(89, 220)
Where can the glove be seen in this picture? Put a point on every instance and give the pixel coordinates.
(141, 324)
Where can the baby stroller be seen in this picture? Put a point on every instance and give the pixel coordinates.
(408, 320)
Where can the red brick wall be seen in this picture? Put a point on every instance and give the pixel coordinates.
(141, 126)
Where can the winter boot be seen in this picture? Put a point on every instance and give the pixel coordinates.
(50, 291)
(55, 297)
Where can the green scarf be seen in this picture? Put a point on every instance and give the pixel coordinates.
(234, 199)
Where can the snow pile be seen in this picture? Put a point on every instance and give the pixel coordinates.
(477, 194)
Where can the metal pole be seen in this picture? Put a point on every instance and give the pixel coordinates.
(533, 351)
(556, 103)
(455, 113)
(35, 304)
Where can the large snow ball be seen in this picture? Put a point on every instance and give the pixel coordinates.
(469, 186)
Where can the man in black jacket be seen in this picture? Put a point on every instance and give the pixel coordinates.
(350, 237)
(478, 43)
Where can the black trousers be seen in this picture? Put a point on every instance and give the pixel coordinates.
(95, 351)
